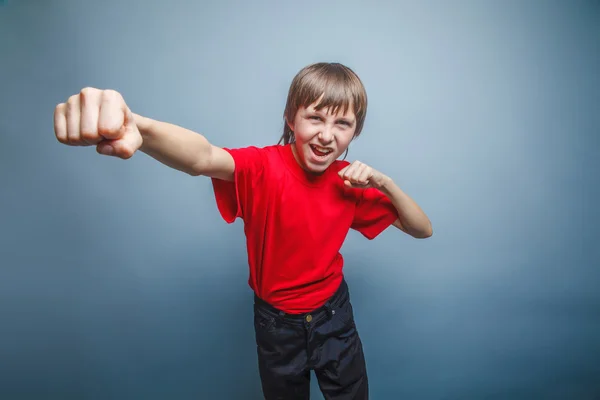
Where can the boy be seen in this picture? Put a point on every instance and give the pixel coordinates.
(297, 202)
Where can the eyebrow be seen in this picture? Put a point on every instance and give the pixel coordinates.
(351, 121)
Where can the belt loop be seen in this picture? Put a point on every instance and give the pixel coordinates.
(330, 311)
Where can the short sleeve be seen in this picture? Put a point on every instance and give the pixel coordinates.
(374, 213)
(234, 198)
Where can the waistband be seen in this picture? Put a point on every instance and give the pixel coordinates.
(334, 301)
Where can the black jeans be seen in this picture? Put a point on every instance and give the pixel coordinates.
(326, 340)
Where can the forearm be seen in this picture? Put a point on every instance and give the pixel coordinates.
(174, 146)
(411, 217)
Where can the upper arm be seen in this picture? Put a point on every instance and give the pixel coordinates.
(220, 164)
(236, 174)
(374, 213)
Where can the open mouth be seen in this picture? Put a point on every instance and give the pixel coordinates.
(320, 152)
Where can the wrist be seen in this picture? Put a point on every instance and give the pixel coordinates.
(386, 185)
(143, 124)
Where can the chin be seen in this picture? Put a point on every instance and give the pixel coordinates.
(317, 169)
(315, 165)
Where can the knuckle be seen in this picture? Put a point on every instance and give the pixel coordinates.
(87, 91)
(59, 108)
(71, 105)
(109, 124)
(111, 95)
(73, 100)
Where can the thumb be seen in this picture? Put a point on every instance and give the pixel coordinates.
(349, 184)
(124, 147)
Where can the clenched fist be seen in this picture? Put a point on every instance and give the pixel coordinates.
(360, 175)
(98, 118)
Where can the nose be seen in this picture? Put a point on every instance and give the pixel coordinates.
(326, 135)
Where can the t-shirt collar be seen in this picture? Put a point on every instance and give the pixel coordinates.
(298, 171)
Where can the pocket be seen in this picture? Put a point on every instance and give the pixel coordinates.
(345, 313)
(263, 321)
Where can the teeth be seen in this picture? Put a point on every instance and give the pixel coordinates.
(322, 149)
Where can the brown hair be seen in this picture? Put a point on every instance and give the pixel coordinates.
(339, 86)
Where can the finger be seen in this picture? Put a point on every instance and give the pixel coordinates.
(112, 115)
(342, 171)
(355, 185)
(358, 172)
(60, 123)
(128, 144)
(105, 148)
(73, 118)
(90, 112)
(365, 174)
(349, 171)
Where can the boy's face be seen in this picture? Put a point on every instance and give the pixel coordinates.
(321, 137)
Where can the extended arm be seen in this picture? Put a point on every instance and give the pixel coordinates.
(101, 118)
(184, 150)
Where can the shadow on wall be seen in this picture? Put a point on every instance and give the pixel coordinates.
(184, 332)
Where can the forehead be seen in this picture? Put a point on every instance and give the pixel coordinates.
(331, 110)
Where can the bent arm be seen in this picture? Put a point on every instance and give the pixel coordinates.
(183, 149)
(412, 219)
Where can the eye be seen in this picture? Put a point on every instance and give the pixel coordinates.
(315, 117)
(344, 122)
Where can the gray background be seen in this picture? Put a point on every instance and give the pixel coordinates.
(119, 280)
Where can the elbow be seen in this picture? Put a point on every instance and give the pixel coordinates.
(197, 169)
(193, 172)
(202, 163)
(424, 234)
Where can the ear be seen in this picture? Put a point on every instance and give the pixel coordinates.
(289, 124)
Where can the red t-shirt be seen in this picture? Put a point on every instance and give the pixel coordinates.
(295, 224)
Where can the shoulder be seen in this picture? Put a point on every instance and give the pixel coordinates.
(272, 150)
(256, 153)
(249, 160)
(258, 159)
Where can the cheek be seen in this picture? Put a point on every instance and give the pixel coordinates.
(344, 138)
(304, 132)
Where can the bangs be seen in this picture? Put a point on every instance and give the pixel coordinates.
(334, 87)
(326, 85)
